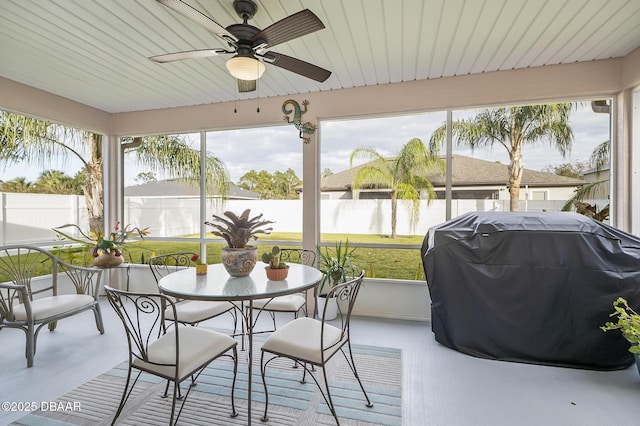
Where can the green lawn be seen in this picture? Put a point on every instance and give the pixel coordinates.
(378, 262)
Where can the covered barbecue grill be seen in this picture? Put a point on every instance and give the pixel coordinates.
(531, 287)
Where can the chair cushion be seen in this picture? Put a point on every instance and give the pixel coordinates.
(300, 339)
(194, 311)
(52, 306)
(287, 303)
(198, 347)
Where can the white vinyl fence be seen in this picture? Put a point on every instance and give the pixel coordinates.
(28, 218)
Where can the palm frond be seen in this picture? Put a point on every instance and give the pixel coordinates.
(600, 156)
(587, 191)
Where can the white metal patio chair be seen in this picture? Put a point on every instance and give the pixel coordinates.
(190, 312)
(309, 341)
(32, 295)
(293, 303)
(175, 355)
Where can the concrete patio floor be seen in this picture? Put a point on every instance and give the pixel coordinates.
(441, 386)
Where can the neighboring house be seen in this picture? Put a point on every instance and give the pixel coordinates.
(176, 188)
(471, 179)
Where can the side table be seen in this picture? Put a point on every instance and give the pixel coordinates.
(125, 265)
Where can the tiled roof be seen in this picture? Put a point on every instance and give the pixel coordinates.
(467, 171)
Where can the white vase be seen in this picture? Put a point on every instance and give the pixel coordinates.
(332, 309)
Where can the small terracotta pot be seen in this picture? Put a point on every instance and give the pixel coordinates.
(201, 269)
(277, 274)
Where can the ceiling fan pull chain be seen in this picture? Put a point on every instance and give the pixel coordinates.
(235, 101)
(258, 87)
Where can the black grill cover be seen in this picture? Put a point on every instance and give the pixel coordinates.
(531, 287)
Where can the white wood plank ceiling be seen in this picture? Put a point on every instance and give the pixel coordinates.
(95, 51)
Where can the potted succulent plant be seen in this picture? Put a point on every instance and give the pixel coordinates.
(629, 324)
(276, 270)
(238, 257)
(337, 267)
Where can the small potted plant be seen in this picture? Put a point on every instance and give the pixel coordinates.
(337, 267)
(276, 270)
(106, 249)
(201, 268)
(628, 322)
(238, 257)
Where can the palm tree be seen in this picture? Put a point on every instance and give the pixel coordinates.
(599, 159)
(512, 128)
(56, 182)
(404, 176)
(39, 141)
(18, 184)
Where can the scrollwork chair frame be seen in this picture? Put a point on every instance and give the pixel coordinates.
(312, 342)
(30, 298)
(174, 355)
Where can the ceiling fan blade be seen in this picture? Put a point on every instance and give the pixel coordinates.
(246, 86)
(293, 26)
(199, 18)
(188, 54)
(297, 66)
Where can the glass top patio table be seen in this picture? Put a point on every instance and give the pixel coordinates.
(218, 285)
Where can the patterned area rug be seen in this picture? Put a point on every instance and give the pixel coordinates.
(209, 403)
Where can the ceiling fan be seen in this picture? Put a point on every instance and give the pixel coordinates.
(247, 43)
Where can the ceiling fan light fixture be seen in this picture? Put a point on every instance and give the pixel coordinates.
(245, 68)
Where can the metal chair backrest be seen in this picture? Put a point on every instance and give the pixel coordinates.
(346, 295)
(20, 264)
(141, 315)
(303, 256)
(164, 264)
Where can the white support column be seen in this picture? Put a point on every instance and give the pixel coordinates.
(449, 165)
(112, 196)
(203, 195)
(634, 187)
(311, 199)
(311, 191)
(111, 180)
(621, 162)
(3, 216)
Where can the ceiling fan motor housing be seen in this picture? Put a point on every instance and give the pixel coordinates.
(245, 9)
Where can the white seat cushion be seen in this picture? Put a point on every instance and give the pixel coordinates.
(52, 306)
(197, 347)
(300, 339)
(287, 303)
(193, 311)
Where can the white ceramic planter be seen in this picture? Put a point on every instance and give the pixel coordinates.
(331, 310)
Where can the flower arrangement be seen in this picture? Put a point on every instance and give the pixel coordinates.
(99, 242)
(196, 259)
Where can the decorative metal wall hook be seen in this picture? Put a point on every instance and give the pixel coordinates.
(304, 128)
